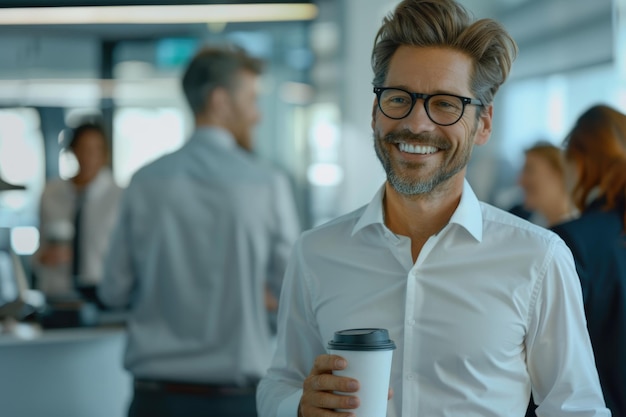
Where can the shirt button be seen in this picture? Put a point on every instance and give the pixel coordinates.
(410, 377)
(411, 322)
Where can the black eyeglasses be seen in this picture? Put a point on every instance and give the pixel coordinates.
(442, 109)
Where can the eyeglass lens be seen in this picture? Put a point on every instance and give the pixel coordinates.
(441, 108)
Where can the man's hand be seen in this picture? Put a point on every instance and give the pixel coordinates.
(318, 399)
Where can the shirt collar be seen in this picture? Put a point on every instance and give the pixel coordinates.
(373, 212)
(101, 183)
(216, 135)
(468, 214)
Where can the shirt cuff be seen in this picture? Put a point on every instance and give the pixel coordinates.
(289, 406)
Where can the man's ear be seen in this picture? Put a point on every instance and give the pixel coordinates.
(483, 130)
(219, 99)
(217, 109)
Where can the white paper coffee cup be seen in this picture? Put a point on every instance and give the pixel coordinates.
(369, 353)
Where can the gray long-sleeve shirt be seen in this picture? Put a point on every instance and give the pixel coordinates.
(202, 232)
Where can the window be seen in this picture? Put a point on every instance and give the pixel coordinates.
(141, 135)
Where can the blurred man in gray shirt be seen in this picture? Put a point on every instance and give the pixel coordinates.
(200, 247)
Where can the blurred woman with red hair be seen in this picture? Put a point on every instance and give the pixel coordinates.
(595, 151)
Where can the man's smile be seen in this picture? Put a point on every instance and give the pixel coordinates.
(417, 149)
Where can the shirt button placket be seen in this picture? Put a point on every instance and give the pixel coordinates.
(413, 301)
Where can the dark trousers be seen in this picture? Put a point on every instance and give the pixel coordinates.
(161, 401)
(530, 412)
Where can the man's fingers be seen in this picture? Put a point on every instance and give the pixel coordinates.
(323, 403)
(328, 363)
(329, 382)
(322, 379)
(319, 395)
(334, 401)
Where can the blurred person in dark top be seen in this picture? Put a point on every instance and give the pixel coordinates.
(544, 184)
(200, 251)
(76, 218)
(595, 150)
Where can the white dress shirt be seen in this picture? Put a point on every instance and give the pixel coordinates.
(57, 208)
(491, 308)
(202, 231)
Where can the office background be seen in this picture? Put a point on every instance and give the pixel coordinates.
(316, 102)
(316, 98)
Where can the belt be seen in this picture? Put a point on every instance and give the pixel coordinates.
(205, 390)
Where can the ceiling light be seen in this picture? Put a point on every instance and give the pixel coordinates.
(169, 14)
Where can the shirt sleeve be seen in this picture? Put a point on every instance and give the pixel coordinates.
(579, 259)
(298, 344)
(118, 280)
(53, 207)
(286, 232)
(43, 211)
(560, 359)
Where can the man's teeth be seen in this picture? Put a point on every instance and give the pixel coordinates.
(405, 147)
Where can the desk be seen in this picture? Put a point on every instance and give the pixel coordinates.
(64, 373)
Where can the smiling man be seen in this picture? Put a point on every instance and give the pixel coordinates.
(484, 307)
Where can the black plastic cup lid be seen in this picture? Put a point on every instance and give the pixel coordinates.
(362, 339)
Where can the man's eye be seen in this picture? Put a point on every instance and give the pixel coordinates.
(398, 100)
(446, 104)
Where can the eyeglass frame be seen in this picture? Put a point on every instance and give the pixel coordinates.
(426, 97)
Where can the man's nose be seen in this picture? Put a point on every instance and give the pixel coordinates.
(418, 120)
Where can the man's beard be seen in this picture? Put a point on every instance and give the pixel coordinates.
(402, 182)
